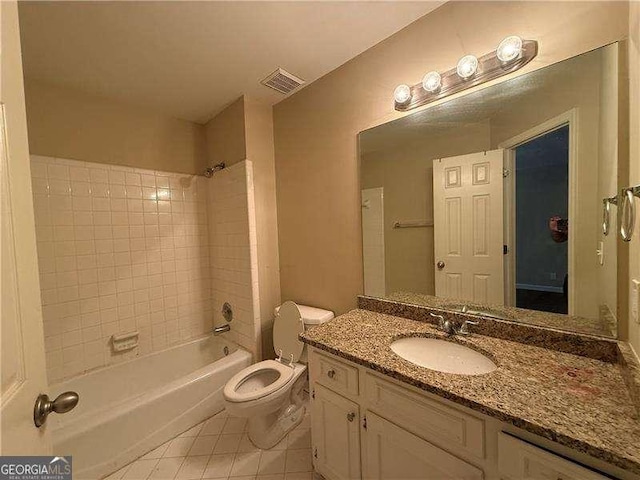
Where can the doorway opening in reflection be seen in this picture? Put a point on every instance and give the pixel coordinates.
(542, 222)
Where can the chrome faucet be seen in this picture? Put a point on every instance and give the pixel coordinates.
(450, 328)
(221, 329)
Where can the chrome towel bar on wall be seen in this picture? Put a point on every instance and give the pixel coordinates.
(417, 224)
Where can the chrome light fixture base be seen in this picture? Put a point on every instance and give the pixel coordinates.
(490, 67)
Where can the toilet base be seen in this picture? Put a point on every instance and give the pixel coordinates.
(266, 432)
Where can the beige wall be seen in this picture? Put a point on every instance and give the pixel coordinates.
(316, 129)
(225, 135)
(634, 151)
(259, 146)
(70, 124)
(245, 130)
(608, 139)
(406, 174)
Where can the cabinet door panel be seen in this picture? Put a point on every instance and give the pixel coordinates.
(520, 460)
(395, 454)
(436, 422)
(336, 435)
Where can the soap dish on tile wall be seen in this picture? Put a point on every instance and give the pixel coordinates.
(124, 341)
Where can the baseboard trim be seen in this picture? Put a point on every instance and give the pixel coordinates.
(538, 288)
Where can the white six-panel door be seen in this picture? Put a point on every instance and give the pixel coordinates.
(468, 227)
(21, 334)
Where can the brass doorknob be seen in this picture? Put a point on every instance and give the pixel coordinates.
(62, 404)
(440, 265)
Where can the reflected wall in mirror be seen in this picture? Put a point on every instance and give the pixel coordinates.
(492, 202)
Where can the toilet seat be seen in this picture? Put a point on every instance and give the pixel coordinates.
(233, 389)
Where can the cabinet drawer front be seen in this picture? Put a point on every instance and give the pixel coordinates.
(394, 453)
(431, 420)
(519, 460)
(334, 374)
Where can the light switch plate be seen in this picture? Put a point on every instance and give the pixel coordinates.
(635, 299)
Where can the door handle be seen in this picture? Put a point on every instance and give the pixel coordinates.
(440, 265)
(351, 416)
(63, 403)
(331, 373)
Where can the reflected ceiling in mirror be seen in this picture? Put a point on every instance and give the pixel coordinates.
(492, 202)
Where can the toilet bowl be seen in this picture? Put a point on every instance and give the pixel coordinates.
(270, 393)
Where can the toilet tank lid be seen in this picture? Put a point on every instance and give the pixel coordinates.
(312, 315)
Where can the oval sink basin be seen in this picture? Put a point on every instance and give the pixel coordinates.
(443, 356)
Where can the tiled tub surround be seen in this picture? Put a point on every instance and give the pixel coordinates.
(233, 253)
(120, 249)
(578, 402)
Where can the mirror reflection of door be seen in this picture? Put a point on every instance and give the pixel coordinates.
(468, 227)
(542, 223)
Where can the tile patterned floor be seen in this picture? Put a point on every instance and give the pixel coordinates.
(219, 448)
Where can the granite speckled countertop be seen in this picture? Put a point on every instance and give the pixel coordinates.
(576, 401)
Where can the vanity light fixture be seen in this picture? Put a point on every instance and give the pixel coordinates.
(402, 94)
(467, 67)
(509, 49)
(432, 82)
(512, 54)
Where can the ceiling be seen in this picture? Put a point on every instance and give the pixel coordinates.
(191, 59)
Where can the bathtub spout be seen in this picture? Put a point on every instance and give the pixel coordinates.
(221, 329)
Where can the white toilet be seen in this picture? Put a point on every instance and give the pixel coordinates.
(269, 393)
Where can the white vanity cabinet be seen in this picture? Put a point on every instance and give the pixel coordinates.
(351, 441)
(365, 425)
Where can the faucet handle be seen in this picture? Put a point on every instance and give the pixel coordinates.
(464, 328)
(440, 320)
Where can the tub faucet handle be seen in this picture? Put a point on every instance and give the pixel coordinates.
(221, 329)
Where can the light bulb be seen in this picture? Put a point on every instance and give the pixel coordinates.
(509, 49)
(402, 94)
(467, 66)
(432, 82)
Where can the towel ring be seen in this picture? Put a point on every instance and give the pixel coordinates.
(627, 215)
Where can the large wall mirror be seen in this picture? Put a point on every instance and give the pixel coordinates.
(493, 202)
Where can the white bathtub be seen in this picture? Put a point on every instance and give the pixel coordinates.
(130, 408)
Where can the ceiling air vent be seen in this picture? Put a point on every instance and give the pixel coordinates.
(282, 81)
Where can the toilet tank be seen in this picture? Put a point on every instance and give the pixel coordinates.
(311, 316)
